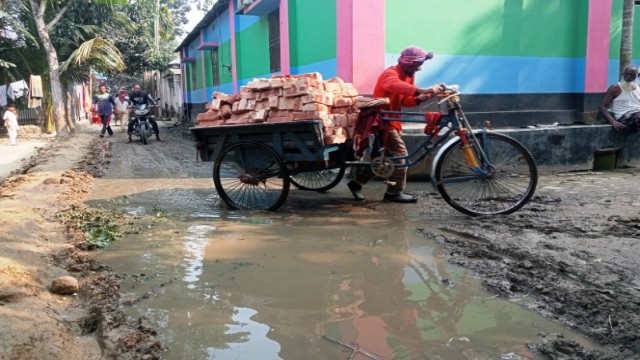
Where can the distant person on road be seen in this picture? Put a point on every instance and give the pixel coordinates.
(397, 84)
(11, 123)
(139, 97)
(623, 100)
(122, 104)
(103, 104)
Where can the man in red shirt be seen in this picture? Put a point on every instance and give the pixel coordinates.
(397, 84)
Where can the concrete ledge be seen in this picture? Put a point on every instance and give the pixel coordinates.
(563, 148)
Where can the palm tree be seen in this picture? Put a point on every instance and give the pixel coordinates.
(46, 15)
(626, 42)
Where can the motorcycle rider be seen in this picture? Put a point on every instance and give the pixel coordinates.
(139, 97)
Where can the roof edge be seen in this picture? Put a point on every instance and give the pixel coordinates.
(208, 18)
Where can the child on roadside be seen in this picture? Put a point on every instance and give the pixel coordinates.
(11, 123)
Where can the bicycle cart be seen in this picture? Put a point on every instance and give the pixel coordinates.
(255, 164)
(477, 172)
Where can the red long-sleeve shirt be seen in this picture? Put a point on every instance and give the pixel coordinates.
(400, 90)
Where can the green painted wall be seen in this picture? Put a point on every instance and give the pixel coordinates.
(224, 56)
(252, 46)
(312, 28)
(547, 28)
(616, 28)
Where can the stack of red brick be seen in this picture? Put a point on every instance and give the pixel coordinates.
(287, 98)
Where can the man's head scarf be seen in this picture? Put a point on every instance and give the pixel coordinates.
(413, 54)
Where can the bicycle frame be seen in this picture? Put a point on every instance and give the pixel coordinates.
(459, 127)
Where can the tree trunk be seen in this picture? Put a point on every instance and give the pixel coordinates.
(626, 41)
(54, 73)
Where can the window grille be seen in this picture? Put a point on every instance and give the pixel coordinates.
(215, 67)
(194, 77)
(274, 40)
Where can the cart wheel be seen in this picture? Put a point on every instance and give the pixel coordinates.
(251, 176)
(319, 180)
(503, 185)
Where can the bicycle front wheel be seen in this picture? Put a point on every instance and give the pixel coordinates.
(504, 183)
(251, 176)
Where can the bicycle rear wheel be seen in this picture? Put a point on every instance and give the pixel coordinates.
(251, 176)
(506, 181)
(318, 180)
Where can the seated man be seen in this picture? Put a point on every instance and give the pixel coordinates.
(624, 99)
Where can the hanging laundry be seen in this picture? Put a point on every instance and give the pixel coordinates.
(78, 101)
(35, 84)
(87, 98)
(17, 89)
(3, 95)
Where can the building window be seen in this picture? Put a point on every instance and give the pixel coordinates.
(215, 67)
(194, 77)
(274, 40)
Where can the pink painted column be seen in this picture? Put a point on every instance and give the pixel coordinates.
(204, 77)
(361, 44)
(597, 57)
(285, 66)
(232, 33)
(344, 25)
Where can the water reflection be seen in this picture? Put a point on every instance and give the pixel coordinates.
(246, 339)
(195, 244)
(242, 285)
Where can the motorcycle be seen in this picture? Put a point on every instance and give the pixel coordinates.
(140, 114)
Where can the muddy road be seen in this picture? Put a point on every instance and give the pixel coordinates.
(571, 256)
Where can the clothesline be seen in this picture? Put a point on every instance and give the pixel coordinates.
(18, 89)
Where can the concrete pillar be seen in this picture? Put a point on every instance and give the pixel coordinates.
(360, 42)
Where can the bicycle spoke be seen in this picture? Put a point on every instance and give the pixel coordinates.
(507, 185)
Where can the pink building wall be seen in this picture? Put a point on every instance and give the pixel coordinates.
(361, 42)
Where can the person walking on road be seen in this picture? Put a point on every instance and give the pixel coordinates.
(103, 104)
(397, 84)
(11, 123)
(122, 111)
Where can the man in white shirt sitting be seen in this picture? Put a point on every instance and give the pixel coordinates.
(623, 100)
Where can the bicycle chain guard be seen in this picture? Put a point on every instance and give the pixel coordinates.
(382, 167)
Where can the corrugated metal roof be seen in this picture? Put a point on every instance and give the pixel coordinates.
(217, 9)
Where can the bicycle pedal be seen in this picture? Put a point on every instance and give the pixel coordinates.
(390, 183)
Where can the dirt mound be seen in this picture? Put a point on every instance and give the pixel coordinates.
(39, 245)
(572, 254)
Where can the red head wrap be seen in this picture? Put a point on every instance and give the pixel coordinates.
(413, 54)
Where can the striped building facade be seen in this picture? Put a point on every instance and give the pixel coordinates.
(517, 61)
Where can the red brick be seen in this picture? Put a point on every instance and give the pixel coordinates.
(225, 111)
(210, 123)
(224, 97)
(344, 101)
(237, 119)
(314, 106)
(248, 95)
(260, 116)
(279, 119)
(274, 101)
(208, 116)
(262, 105)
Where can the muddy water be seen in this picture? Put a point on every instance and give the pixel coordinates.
(233, 285)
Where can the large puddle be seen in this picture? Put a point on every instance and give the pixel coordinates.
(297, 284)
